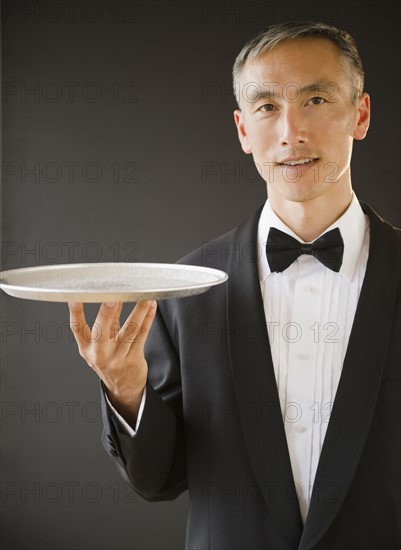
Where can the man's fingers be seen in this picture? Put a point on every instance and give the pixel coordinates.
(102, 347)
(105, 322)
(116, 325)
(147, 323)
(78, 323)
(138, 324)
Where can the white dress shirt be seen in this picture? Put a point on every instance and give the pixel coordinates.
(309, 313)
(122, 422)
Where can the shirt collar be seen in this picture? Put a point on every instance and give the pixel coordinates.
(352, 225)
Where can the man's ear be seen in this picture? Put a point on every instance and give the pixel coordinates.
(242, 136)
(363, 120)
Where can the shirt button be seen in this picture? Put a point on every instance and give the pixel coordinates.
(310, 289)
(300, 429)
(302, 356)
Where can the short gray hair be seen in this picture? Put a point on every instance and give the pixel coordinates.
(275, 34)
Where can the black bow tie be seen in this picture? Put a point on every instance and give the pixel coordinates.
(282, 249)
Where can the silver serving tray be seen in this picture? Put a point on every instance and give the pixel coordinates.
(109, 282)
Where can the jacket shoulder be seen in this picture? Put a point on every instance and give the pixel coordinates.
(380, 222)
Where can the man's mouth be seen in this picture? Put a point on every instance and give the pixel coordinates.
(298, 162)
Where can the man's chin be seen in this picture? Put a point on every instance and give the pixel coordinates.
(299, 191)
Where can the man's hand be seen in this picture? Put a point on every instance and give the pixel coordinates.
(114, 353)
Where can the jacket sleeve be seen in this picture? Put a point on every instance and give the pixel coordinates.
(153, 460)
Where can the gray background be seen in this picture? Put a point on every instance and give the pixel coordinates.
(119, 145)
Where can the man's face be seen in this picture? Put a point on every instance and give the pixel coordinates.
(296, 106)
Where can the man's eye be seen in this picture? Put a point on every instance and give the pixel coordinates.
(317, 100)
(266, 107)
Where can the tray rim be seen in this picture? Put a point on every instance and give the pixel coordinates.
(221, 277)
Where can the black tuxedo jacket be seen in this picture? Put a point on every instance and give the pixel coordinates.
(212, 422)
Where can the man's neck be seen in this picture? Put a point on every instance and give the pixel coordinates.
(310, 219)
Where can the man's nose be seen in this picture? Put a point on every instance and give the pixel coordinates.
(294, 128)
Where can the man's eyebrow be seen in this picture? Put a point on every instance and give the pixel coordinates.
(317, 86)
(320, 86)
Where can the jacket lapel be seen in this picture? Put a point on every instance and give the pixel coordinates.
(256, 386)
(362, 372)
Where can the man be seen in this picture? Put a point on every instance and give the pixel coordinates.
(274, 398)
